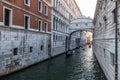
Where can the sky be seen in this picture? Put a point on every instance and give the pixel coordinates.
(87, 7)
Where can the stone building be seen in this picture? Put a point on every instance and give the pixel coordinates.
(25, 30)
(63, 11)
(106, 37)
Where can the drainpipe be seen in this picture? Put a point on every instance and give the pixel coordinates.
(116, 41)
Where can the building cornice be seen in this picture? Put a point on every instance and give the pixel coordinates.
(78, 7)
(49, 4)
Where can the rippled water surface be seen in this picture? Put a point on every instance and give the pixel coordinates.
(82, 65)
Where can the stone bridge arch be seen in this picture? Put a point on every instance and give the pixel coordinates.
(82, 24)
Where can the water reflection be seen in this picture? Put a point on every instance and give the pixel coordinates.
(82, 65)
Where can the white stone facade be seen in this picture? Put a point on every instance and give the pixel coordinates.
(21, 48)
(104, 37)
(62, 14)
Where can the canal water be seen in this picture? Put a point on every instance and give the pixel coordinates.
(82, 65)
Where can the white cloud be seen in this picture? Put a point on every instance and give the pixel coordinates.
(87, 7)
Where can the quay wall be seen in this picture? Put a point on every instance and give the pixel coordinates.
(21, 48)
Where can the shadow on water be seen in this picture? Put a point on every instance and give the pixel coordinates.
(82, 65)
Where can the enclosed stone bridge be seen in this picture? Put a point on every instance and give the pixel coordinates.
(82, 24)
(78, 30)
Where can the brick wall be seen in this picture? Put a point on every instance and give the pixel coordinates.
(1, 12)
(49, 27)
(19, 9)
(18, 18)
(34, 22)
(33, 6)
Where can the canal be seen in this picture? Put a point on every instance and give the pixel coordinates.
(82, 65)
